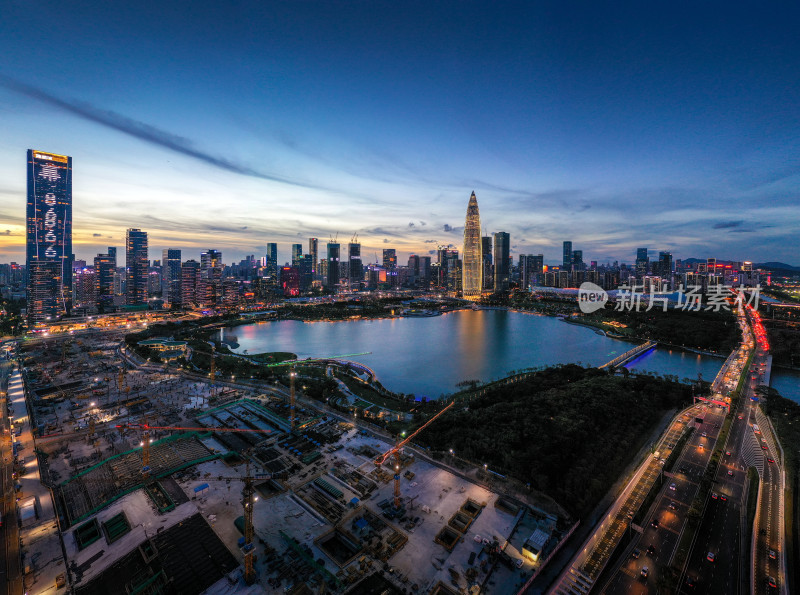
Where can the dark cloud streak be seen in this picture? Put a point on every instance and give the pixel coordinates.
(143, 131)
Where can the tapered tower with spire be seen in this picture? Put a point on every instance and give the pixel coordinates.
(472, 260)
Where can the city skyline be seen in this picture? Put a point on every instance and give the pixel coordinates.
(304, 125)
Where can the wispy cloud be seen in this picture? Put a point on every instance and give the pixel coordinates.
(144, 132)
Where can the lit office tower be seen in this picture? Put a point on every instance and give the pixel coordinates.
(642, 262)
(566, 262)
(272, 261)
(297, 254)
(171, 276)
(488, 272)
(472, 261)
(49, 236)
(210, 259)
(665, 264)
(136, 267)
(577, 260)
(105, 265)
(313, 250)
(390, 264)
(502, 266)
(356, 270)
(333, 265)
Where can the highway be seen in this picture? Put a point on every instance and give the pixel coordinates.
(655, 547)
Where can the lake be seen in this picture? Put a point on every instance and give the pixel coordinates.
(429, 356)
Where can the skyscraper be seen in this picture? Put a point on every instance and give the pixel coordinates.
(472, 262)
(390, 264)
(272, 261)
(502, 272)
(642, 262)
(190, 275)
(171, 276)
(313, 250)
(297, 254)
(488, 271)
(356, 270)
(567, 260)
(104, 267)
(49, 236)
(137, 267)
(333, 265)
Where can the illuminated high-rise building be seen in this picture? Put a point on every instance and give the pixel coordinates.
(502, 264)
(171, 276)
(49, 236)
(137, 267)
(566, 261)
(472, 261)
(313, 250)
(297, 254)
(272, 261)
(333, 265)
(105, 266)
(356, 270)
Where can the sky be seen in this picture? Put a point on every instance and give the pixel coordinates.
(616, 125)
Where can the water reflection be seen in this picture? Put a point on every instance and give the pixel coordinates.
(429, 356)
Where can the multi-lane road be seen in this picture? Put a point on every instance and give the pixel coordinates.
(718, 559)
(10, 577)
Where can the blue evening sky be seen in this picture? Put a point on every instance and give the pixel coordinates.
(227, 125)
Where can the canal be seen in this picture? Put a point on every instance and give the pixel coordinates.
(429, 356)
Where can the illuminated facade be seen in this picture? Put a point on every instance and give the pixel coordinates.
(49, 236)
(472, 260)
(137, 267)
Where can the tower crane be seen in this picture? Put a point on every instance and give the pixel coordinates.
(395, 453)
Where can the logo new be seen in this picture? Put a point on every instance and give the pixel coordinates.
(591, 297)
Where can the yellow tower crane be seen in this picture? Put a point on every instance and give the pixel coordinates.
(395, 453)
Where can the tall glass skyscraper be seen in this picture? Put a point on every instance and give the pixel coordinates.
(49, 236)
(333, 265)
(272, 261)
(502, 268)
(171, 276)
(136, 267)
(313, 250)
(566, 262)
(472, 261)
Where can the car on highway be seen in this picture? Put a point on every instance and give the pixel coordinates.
(770, 460)
(673, 506)
(714, 495)
(741, 417)
(728, 453)
(764, 447)
(723, 498)
(645, 571)
(654, 522)
(672, 486)
(636, 553)
(519, 562)
(771, 582)
(690, 582)
(651, 550)
(772, 555)
(710, 556)
(730, 473)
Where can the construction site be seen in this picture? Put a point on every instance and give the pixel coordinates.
(164, 482)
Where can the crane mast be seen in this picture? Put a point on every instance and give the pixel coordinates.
(395, 453)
